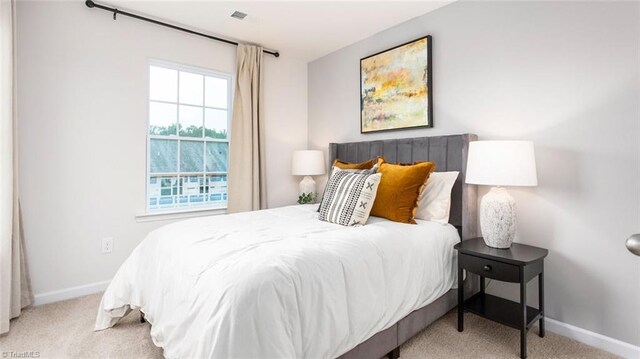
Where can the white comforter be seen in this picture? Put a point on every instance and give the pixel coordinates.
(278, 283)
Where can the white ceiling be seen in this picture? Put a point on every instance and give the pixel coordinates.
(306, 30)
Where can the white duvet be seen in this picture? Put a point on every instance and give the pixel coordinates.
(278, 283)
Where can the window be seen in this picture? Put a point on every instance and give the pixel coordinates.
(188, 142)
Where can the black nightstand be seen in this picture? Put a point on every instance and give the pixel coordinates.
(518, 264)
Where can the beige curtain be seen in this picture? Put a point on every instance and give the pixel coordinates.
(14, 287)
(247, 183)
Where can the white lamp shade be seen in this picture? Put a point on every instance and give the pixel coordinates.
(501, 163)
(308, 163)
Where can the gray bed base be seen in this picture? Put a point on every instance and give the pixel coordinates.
(449, 154)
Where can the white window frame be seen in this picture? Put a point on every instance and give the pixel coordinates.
(189, 210)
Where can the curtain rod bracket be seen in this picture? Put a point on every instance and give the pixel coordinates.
(115, 12)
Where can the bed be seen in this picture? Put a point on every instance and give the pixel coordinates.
(279, 283)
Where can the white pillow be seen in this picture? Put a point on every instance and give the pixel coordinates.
(434, 202)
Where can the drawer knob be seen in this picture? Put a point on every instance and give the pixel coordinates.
(487, 268)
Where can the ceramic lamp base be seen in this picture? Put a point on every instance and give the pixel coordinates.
(498, 218)
(308, 186)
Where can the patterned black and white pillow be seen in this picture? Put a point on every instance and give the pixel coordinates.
(373, 169)
(348, 197)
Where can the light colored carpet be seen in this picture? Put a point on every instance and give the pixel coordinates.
(65, 330)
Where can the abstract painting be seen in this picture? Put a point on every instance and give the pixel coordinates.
(395, 88)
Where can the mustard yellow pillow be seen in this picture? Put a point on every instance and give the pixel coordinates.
(366, 165)
(399, 189)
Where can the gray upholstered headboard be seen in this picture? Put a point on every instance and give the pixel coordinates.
(449, 154)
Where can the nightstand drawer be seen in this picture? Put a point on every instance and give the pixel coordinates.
(489, 268)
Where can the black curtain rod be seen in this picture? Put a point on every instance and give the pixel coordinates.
(92, 4)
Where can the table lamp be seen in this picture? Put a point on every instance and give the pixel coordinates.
(500, 163)
(307, 163)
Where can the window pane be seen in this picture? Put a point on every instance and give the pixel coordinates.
(215, 123)
(191, 185)
(217, 156)
(190, 121)
(217, 189)
(191, 87)
(163, 155)
(163, 118)
(163, 84)
(191, 156)
(215, 92)
(162, 191)
(193, 192)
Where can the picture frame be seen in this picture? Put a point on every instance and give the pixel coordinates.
(396, 88)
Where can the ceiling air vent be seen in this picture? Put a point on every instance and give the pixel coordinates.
(238, 15)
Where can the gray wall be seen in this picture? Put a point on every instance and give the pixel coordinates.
(563, 74)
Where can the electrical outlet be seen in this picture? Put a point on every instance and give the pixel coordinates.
(107, 245)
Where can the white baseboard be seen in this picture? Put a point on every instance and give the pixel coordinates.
(69, 293)
(611, 345)
(600, 341)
